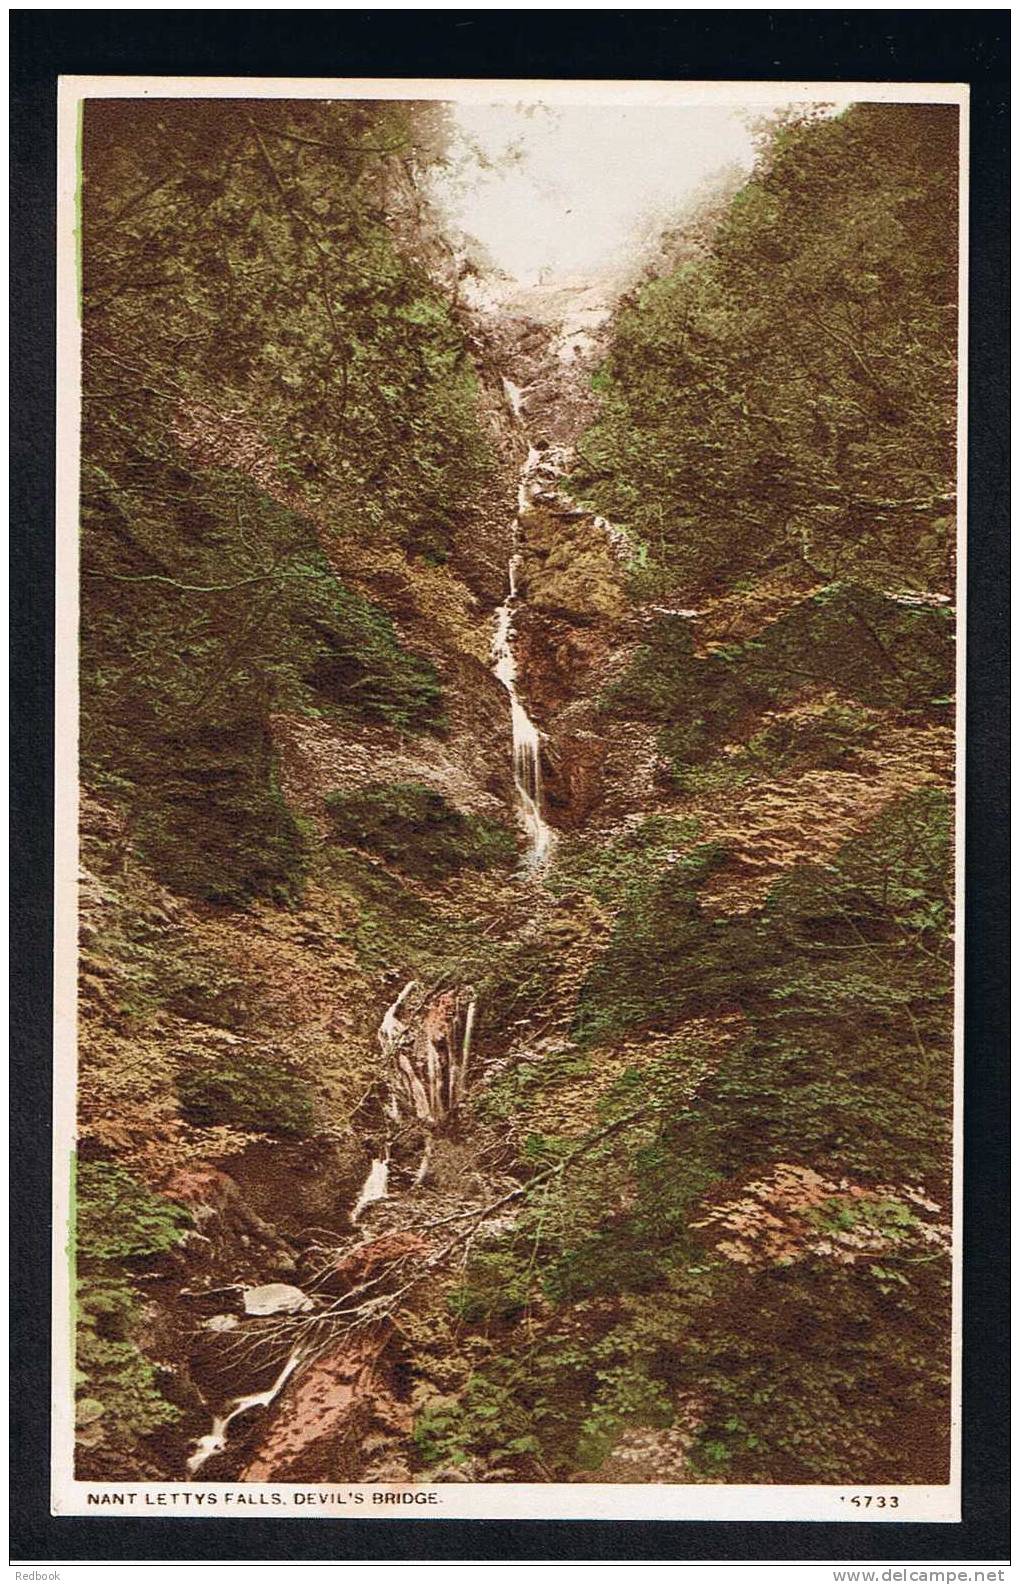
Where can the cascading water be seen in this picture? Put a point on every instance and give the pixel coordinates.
(425, 1041)
(514, 395)
(527, 764)
(427, 1048)
(375, 1187)
(215, 1442)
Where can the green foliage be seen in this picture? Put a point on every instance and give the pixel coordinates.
(358, 667)
(862, 1394)
(193, 986)
(605, 1263)
(698, 960)
(270, 382)
(275, 221)
(807, 1372)
(498, 1288)
(178, 686)
(440, 1432)
(518, 981)
(433, 931)
(118, 1397)
(874, 652)
(247, 1092)
(891, 1218)
(753, 398)
(243, 592)
(417, 829)
(118, 1218)
(829, 738)
(215, 824)
(846, 977)
(627, 1395)
(486, 1413)
(613, 870)
(510, 1091)
(391, 922)
(665, 681)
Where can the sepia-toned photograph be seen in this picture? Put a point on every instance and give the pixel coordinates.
(508, 997)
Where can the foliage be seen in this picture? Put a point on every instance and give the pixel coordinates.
(865, 1388)
(829, 737)
(271, 380)
(277, 219)
(215, 824)
(509, 1093)
(484, 1413)
(606, 1306)
(846, 976)
(267, 615)
(874, 652)
(517, 983)
(119, 1218)
(360, 669)
(626, 1395)
(616, 869)
(248, 1092)
(118, 1396)
(753, 397)
(498, 1288)
(417, 829)
(698, 960)
(280, 411)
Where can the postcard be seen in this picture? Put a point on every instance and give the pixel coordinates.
(508, 977)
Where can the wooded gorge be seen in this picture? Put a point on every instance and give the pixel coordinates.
(516, 978)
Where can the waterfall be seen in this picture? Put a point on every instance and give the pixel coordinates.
(392, 1026)
(375, 1187)
(527, 765)
(514, 395)
(207, 1447)
(427, 1048)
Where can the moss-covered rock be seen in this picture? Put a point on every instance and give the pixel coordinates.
(246, 1092)
(418, 830)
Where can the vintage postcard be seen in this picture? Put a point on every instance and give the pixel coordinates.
(508, 988)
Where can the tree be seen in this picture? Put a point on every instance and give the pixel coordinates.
(789, 397)
(271, 380)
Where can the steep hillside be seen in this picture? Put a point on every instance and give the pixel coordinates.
(516, 963)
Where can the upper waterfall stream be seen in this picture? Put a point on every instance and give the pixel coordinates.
(527, 764)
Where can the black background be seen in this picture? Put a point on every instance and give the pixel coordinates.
(916, 46)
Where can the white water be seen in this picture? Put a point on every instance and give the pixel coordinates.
(375, 1187)
(432, 1094)
(514, 395)
(424, 1164)
(392, 1026)
(208, 1446)
(526, 741)
(527, 764)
